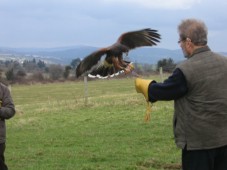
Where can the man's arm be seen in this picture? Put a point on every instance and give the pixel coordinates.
(172, 88)
(7, 109)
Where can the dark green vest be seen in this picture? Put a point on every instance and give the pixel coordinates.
(200, 117)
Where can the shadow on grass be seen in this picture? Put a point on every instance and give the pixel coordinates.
(157, 165)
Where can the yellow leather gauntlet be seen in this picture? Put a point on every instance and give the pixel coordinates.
(141, 86)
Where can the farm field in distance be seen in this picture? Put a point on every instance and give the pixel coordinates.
(53, 129)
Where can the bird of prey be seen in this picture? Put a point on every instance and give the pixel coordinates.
(108, 61)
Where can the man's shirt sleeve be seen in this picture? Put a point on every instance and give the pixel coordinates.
(171, 89)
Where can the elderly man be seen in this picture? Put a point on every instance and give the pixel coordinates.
(198, 87)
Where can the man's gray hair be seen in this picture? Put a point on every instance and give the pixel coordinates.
(193, 29)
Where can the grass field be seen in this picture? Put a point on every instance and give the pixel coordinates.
(54, 129)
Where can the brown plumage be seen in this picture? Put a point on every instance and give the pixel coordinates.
(94, 66)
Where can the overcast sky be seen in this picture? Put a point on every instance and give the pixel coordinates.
(59, 23)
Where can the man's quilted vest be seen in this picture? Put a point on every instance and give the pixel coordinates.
(200, 117)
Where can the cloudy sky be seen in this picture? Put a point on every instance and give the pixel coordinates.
(59, 23)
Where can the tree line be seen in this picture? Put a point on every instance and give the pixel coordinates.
(34, 70)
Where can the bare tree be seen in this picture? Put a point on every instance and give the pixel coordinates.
(55, 71)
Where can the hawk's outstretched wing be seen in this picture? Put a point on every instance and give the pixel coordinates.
(113, 62)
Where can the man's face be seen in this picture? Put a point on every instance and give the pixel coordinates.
(185, 46)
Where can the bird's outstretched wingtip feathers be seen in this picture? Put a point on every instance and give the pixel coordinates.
(140, 38)
(78, 72)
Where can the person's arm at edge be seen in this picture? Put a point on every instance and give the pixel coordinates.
(7, 109)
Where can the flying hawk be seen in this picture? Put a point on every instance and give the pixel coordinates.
(113, 63)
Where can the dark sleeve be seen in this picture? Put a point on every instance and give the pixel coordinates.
(172, 88)
(7, 109)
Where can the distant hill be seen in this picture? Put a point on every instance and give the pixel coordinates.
(61, 55)
(153, 55)
(64, 55)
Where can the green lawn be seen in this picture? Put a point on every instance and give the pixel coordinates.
(54, 129)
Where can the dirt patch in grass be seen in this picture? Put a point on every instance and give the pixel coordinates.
(158, 165)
